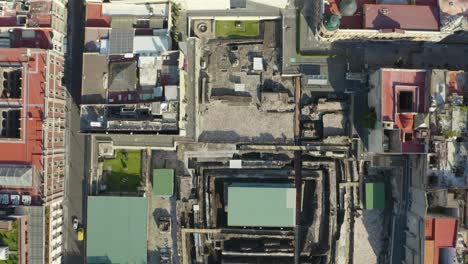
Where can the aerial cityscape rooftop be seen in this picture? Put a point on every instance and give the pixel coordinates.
(233, 131)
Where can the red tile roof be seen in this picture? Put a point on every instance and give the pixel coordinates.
(410, 147)
(27, 149)
(42, 39)
(429, 228)
(401, 18)
(94, 17)
(40, 20)
(8, 21)
(392, 78)
(392, 82)
(406, 17)
(454, 7)
(405, 122)
(38, 15)
(443, 231)
(426, 2)
(348, 22)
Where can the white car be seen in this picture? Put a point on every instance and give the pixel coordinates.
(75, 223)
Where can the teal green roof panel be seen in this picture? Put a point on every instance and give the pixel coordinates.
(375, 195)
(163, 182)
(116, 230)
(271, 205)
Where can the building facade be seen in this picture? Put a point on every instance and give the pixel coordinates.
(394, 20)
(33, 102)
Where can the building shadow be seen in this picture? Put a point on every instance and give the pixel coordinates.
(234, 137)
(382, 21)
(98, 260)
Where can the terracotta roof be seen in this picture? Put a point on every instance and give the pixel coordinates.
(406, 17)
(429, 251)
(392, 78)
(410, 147)
(8, 21)
(392, 82)
(454, 7)
(348, 22)
(405, 122)
(429, 228)
(426, 2)
(27, 149)
(94, 17)
(443, 233)
(41, 40)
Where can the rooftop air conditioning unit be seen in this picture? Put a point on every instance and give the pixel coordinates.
(21, 20)
(387, 125)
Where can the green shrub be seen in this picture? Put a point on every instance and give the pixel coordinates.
(369, 118)
(450, 134)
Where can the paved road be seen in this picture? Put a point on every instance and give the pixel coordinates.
(399, 235)
(174, 230)
(78, 145)
(193, 70)
(289, 55)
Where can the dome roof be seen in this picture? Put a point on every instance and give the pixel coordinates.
(332, 22)
(348, 7)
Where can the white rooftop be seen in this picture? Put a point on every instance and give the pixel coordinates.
(150, 45)
(4, 252)
(258, 64)
(171, 92)
(274, 3)
(148, 67)
(208, 4)
(160, 10)
(193, 5)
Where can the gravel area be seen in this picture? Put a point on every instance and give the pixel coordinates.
(221, 122)
(368, 237)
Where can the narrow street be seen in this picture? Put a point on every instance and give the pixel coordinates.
(297, 170)
(78, 144)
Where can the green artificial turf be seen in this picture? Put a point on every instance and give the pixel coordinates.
(124, 171)
(228, 29)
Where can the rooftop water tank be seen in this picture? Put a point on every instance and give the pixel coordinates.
(332, 22)
(348, 7)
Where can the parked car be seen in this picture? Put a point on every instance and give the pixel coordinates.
(76, 223)
(80, 234)
(165, 256)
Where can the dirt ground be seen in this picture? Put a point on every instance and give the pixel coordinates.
(221, 122)
(368, 237)
(160, 206)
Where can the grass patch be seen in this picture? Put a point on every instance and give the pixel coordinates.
(123, 171)
(175, 10)
(10, 239)
(450, 134)
(237, 29)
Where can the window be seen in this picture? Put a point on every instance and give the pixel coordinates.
(408, 137)
(141, 23)
(405, 101)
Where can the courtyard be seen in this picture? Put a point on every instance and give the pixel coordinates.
(10, 239)
(123, 172)
(237, 29)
